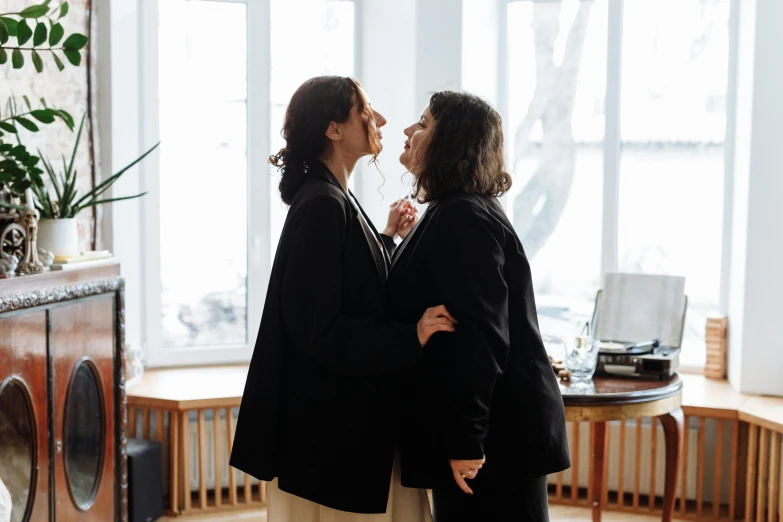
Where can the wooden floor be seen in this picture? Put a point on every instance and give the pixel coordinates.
(556, 513)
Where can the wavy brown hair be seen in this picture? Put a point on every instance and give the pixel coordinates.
(315, 104)
(465, 153)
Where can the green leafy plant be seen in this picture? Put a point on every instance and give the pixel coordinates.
(63, 201)
(18, 167)
(34, 30)
(37, 29)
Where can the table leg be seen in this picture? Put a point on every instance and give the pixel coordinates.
(674, 433)
(599, 454)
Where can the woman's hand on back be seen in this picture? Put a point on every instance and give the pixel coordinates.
(435, 319)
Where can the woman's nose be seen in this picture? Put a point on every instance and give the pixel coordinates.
(380, 121)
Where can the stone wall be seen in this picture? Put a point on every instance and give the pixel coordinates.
(68, 90)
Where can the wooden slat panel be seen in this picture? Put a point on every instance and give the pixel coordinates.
(700, 470)
(653, 444)
(774, 477)
(750, 490)
(202, 461)
(684, 470)
(183, 432)
(559, 486)
(621, 470)
(638, 467)
(718, 469)
(763, 467)
(742, 470)
(173, 462)
(248, 489)
(780, 478)
(232, 484)
(590, 445)
(605, 473)
(132, 414)
(734, 464)
(598, 459)
(160, 426)
(147, 424)
(575, 464)
(218, 467)
(262, 491)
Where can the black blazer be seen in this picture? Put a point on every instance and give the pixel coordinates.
(487, 389)
(317, 410)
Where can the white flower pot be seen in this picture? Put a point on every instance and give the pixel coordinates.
(60, 236)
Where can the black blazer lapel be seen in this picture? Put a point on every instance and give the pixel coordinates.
(373, 240)
(416, 228)
(378, 252)
(375, 234)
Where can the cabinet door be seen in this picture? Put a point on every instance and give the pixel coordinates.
(24, 426)
(82, 349)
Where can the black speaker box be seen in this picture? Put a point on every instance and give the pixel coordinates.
(145, 482)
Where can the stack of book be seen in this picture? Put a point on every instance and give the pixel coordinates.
(716, 341)
(87, 259)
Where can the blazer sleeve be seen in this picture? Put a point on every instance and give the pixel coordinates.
(466, 263)
(312, 301)
(389, 244)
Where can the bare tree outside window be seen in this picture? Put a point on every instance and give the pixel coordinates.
(540, 205)
(674, 71)
(557, 78)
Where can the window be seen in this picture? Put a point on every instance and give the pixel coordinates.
(673, 126)
(203, 175)
(617, 121)
(329, 50)
(557, 80)
(213, 215)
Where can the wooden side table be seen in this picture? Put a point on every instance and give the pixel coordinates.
(617, 399)
(173, 394)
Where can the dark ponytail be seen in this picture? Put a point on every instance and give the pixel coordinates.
(315, 104)
(292, 170)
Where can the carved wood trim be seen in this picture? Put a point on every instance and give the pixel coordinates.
(122, 402)
(48, 296)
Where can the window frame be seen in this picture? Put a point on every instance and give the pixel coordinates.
(258, 191)
(613, 137)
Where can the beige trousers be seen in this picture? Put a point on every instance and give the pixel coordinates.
(404, 505)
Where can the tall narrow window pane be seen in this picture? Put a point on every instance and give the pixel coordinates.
(323, 45)
(673, 126)
(557, 81)
(203, 173)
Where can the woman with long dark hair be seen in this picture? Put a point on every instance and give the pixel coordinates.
(317, 418)
(483, 422)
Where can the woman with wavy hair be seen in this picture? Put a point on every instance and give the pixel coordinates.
(483, 422)
(317, 419)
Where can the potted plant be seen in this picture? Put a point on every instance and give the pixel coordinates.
(35, 32)
(60, 202)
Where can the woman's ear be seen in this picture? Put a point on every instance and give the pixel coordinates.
(334, 131)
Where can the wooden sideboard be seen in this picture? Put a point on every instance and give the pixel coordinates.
(62, 395)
